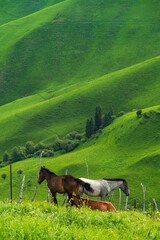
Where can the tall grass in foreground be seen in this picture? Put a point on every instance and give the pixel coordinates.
(41, 220)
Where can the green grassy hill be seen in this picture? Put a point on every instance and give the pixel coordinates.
(40, 117)
(128, 148)
(12, 10)
(58, 61)
(75, 41)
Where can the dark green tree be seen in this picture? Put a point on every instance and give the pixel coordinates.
(111, 109)
(6, 157)
(4, 175)
(91, 126)
(29, 147)
(16, 155)
(139, 113)
(88, 131)
(98, 117)
(107, 119)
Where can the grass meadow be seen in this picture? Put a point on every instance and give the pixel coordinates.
(128, 149)
(41, 220)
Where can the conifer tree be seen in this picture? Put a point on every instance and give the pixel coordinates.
(98, 117)
(91, 126)
(111, 109)
(88, 134)
(107, 119)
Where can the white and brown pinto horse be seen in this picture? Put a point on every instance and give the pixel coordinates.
(103, 187)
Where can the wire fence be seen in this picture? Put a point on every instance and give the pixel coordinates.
(11, 190)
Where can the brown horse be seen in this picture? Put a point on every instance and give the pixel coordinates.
(99, 205)
(62, 184)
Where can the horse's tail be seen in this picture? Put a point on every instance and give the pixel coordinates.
(85, 185)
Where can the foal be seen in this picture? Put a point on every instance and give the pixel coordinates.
(62, 184)
(95, 205)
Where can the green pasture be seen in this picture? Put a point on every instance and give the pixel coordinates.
(59, 60)
(128, 148)
(45, 221)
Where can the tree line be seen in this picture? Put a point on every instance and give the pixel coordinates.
(64, 144)
(99, 121)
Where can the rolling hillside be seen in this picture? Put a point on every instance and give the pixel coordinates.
(128, 148)
(11, 10)
(40, 117)
(61, 59)
(75, 41)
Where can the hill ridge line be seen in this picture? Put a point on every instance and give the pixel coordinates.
(32, 14)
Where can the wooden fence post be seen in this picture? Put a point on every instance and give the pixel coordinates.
(135, 205)
(11, 182)
(119, 199)
(22, 189)
(38, 176)
(143, 190)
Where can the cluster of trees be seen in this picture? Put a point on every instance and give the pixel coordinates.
(99, 121)
(66, 144)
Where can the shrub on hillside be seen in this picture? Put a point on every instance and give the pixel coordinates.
(83, 140)
(100, 131)
(37, 153)
(56, 145)
(19, 171)
(40, 146)
(4, 175)
(146, 115)
(29, 183)
(121, 113)
(17, 154)
(78, 136)
(50, 147)
(22, 152)
(29, 147)
(63, 144)
(139, 113)
(6, 157)
(113, 117)
(73, 134)
(48, 153)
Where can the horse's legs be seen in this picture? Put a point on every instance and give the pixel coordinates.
(78, 195)
(71, 199)
(55, 199)
(103, 197)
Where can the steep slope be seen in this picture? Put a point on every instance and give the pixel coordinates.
(75, 41)
(13, 9)
(42, 116)
(128, 148)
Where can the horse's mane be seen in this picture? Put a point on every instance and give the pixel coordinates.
(48, 170)
(114, 179)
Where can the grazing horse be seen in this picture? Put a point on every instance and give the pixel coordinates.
(103, 187)
(62, 184)
(99, 205)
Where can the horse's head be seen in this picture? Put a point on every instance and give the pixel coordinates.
(41, 177)
(124, 187)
